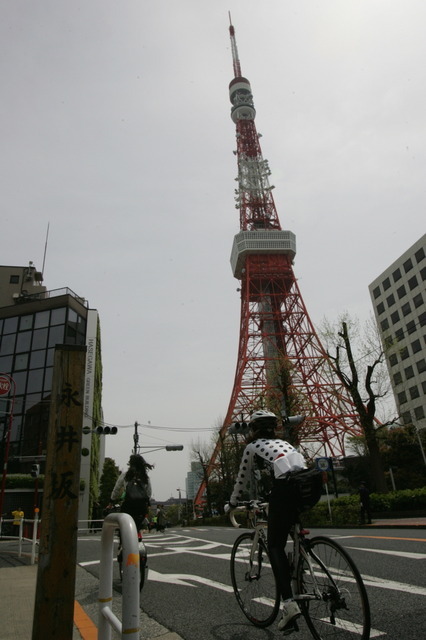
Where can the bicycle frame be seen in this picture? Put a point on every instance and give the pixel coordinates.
(300, 548)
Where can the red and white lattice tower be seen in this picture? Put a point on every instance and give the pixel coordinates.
(276, 332)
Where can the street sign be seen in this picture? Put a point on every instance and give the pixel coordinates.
(323, 464)
(4, 385)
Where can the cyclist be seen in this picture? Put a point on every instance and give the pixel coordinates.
(135, 476)
(266, 463)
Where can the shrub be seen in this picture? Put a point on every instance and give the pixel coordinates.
(25, 481)
(345, 510)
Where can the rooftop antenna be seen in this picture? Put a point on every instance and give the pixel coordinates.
(45, 251)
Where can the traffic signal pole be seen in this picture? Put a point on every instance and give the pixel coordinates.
(137, 447)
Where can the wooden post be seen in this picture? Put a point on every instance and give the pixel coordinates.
(54, 599)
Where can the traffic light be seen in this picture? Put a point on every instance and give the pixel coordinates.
(239, 428)
(174, 447)
(35, 470)
(106, 431)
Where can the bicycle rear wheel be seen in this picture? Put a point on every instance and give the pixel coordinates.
(253, 581)
(342, 609)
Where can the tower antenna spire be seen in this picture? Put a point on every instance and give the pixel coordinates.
(235, 58)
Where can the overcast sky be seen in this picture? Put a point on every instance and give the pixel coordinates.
(115, 129)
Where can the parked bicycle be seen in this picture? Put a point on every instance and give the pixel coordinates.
(143, 561)
(325, 580)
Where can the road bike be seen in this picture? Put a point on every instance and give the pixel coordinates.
(143, 561)
(325, 581)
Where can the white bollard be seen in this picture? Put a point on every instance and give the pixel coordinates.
(129, 626)
(34, 541)
(21, 529)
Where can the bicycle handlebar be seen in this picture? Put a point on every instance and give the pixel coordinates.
(232, 519)
(246, 506)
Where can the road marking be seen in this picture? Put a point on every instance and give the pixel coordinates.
(336, 537)
(89, 563)
(354, 628)
(392, 538)
(87, 629)
(185, 579)
(400, 554)
(178, 539)
(372, 581)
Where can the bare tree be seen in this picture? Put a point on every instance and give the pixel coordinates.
(201, 453)
(218, 478)
(360, 366)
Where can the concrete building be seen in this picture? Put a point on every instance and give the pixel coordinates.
(399, 301)
(32, 321)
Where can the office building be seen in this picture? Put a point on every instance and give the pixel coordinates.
(32, 321)
(193, 480)
(399, 301)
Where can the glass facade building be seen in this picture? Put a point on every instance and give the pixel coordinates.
(32, 322)
(27, 346)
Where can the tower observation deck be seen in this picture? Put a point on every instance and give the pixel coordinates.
(281, 363)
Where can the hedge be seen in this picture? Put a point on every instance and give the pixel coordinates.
(25, 481)
(345, 511)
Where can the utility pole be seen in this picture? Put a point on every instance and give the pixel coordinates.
(55, 590)
(136, 439)
(179, 506)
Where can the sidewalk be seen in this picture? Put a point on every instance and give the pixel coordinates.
(17, 594)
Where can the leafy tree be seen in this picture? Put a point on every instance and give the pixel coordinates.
(402, 453)
(110, 473)
(287, 400)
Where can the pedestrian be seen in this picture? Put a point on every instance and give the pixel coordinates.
(134, 488)
(365, 508)
(161, 519)
(18, 517)
(258, 475)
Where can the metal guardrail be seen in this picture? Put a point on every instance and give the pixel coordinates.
(20, 537)
(129, 626)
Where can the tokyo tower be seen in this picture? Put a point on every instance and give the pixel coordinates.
(281, 362)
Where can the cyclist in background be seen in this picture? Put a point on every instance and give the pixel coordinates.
(134, 488)
(257, 473)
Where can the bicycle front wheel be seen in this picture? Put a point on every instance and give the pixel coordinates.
(253, 581)
(340, 609)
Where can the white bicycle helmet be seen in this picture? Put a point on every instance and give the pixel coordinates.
(261, 414)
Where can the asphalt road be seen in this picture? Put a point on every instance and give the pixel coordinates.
(189, 587)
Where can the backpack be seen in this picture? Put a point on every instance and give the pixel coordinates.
(307, 486)
(136, 491)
